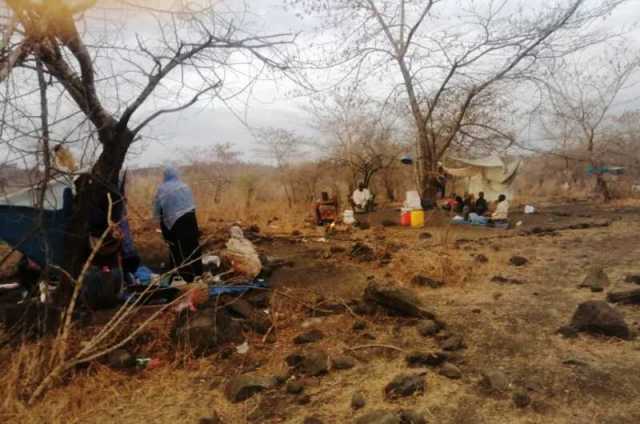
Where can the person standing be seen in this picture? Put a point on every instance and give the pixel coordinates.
(361, 198)
(176, 211)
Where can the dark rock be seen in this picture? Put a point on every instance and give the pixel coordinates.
(408, 416)
(633, 279)
(521, 398)
(385, 259)
(258, 320)
(312, 420)
(428, 328)
(397, 300)
(121, 359)
(244, 386)
(358, 401)
(389, 223)
(343, 363)
(425, 236)
(596, 280)
(493, 382)
(365, 308)
(429, 359)
(303, 400)
(629, 297)
(296, 233)
(481, 259)
(518, 261)
(311, 363)
(404, 385)
(424, 281)
(205, 331)
(568, 332)
(214, 419)
(454, 342)
(598, 317)
(504, 280)
(359, 325)
(295, 387)
(379, 417)
(362, 252)
(308, 337)
(281, 378)
(450, 371)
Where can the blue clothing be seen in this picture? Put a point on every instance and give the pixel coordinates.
(173, 199)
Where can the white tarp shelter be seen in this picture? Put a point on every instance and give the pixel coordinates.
(30, 196)
(491, 175)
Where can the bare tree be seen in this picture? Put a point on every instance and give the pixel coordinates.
(214, 166)
(581, 96)
(282, 147)
(442, 57)
(189, 56)
(360, 136)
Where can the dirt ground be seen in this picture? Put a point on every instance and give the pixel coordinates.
(506, 327)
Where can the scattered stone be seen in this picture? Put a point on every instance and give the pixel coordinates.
(385, 259)
(596, 280)
(521, 398)
(121, 359)
(478, 310)
(425, 236)
(358, 401)
(308, 337)
(504, 280)
(296, 233)
(313, 420)
(214, 419)
(258, 320)
(303, 400)
(568, 332)
(404, 385)
(518, 261)
(343, 363)
(629, 297)
(295, 387)
(598, 317)
(450, 371)
(244, 386)
(362, 252)
(397, 300)
(424, 281)
(493, 382)
(359, 325)
(408, 416)
(427, 328)
(389, 223)
(633, 279)
(281, 378)
(454, 342)
(312, 363)
(379, 417)
(429, 359)
(481, 259)
(205, 331)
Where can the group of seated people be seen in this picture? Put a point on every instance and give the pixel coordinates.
(478, 210)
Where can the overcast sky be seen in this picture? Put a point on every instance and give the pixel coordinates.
(274, 103)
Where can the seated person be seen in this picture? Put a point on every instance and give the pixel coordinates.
(326, 209)
(469, 206)
(458, 206)
(501, 215)
(481, 205)
(361, 199)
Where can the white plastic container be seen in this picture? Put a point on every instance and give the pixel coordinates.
(348, 218)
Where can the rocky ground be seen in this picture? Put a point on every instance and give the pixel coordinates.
(446, 324)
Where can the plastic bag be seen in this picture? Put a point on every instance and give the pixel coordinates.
(242, 254)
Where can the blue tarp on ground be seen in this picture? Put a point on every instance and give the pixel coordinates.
(44, 244)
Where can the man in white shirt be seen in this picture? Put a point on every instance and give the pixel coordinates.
(501, 214)
(361, 198)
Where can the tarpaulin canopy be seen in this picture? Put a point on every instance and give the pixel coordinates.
(491, 175)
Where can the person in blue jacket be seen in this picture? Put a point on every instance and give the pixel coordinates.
(175, 209)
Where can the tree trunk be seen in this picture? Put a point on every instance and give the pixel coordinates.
(91, 192)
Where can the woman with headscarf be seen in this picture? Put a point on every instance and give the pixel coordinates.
(174, 207)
